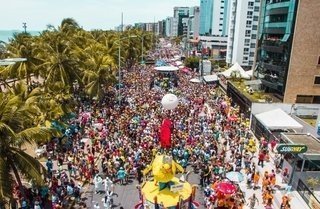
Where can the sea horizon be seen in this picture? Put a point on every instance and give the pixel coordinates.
(5, 35)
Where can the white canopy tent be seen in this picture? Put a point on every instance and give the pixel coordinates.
(166, 68)
(278, 119)
(210, 78)
(236, 68)
(195, 80)
(249, 72)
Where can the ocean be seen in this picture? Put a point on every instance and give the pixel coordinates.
(5, 35)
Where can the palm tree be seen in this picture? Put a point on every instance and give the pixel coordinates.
(21, 46)
(60, 64)
(99, 70)
(68, 26)
(17, 128)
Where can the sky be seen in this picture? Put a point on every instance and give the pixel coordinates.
(90, 14)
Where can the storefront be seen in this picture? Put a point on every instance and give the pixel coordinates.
(303, 166)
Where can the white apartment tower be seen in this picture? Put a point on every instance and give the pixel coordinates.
(171, 26)
(220, 17)
(243, 29)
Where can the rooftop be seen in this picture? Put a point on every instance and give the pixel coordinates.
(256, 96)
(312, 143)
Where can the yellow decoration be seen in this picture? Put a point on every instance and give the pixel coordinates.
(47, 124)
(163, 168)
(169, 199)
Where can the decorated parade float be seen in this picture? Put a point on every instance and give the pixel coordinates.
(164, 189)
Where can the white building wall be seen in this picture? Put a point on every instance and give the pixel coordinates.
(216, 18)
(195, 22)
(239, 32)
(241, 44)
(168, 27)
(174, 26)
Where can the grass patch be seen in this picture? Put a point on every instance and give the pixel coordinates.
(311, 121)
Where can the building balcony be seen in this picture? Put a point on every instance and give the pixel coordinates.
(277, 4)
(269, 84)
(275, 25)
(276, 49)
(273, 67)
(272, 30)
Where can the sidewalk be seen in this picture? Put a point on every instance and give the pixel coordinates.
(296, 200)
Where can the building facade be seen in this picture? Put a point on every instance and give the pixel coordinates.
(243, 29)
(215, 45)
(171, 27)
(206, 9)
(220, 17)
(180, 13)
(288, 62)
(194, 22)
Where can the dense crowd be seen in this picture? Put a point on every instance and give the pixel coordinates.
(112, 140)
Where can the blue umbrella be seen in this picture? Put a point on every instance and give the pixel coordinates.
(235, 176)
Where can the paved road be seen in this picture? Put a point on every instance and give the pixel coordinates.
(126, 196)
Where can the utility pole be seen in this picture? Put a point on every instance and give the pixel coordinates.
(121, 21)
(24, 27)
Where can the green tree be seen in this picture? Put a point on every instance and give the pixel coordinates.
(60, 63)
(99, 70)
(192, 62)
(21, 46)
(16, 128)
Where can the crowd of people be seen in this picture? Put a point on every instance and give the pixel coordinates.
(113, 141)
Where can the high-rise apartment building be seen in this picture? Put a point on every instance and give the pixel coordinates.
(179, 13)
(214, 17)
(194, 22)
(206, 9)
(288, 58)
(171, 26)
(220, 17)
(243, 29)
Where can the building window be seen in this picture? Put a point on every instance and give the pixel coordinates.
(304, 99)
(249, 22)
(255, 18)
(256, 9)
(248, 32)
(250, 62)
(245, 58)
(254, 36)
(253, 45)
(249, 13)
(317, 80)
(250, 4)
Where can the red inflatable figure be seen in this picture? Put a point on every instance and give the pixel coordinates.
(165, 134)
